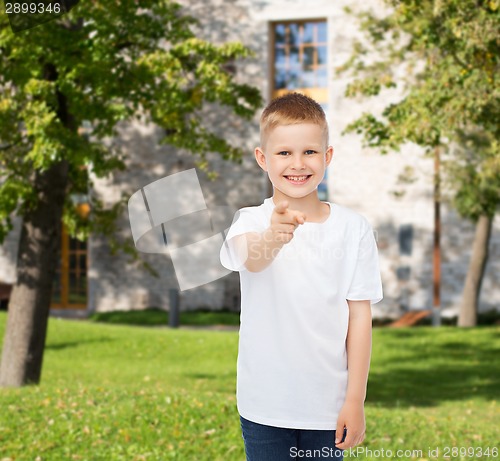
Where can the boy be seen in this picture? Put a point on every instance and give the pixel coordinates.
(308, 272)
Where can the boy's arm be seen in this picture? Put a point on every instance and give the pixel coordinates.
(358, 345)
(261, 249)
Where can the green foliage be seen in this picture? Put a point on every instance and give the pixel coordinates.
(65, 85)
(113, 393)
(475, 174)
(446, 55)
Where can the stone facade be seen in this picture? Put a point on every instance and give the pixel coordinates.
(362, 179)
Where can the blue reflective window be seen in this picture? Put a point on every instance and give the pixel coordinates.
(300, 55)
(308, 58)
(293, 79)
(279, 34)
(322, 33)
(322, 55)
(293, 34)
(308, 80)
(280, 79)
(322, 77)
(294, 59)
(308, 33)
(280, 57)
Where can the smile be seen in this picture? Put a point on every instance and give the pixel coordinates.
(298, 179)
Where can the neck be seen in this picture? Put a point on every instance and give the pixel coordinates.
(310, 204)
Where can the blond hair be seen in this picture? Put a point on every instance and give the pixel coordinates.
(291, 109)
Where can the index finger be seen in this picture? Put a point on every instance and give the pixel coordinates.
(300, 217)
(281, 207)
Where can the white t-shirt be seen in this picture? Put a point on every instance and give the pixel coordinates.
(292, 363)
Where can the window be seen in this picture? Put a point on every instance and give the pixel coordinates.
(301, 59)
(70, 284)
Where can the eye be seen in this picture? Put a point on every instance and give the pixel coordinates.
(283, 152)
(310, 152)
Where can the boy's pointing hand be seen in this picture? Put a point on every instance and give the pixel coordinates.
(284, 221)
(289, 215)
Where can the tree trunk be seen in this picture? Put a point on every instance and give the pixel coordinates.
(29, 305)
(472, 287)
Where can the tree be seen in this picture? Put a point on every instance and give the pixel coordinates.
(448, 52)
(102, 63)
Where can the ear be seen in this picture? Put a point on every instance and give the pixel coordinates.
(329, 155)
(260, 158)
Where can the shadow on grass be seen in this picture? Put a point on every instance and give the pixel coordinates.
(422, 371)
(201, 375)
(72, 344)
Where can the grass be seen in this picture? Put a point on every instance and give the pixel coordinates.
(113, 392)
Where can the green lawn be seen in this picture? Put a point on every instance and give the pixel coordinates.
(113, 392)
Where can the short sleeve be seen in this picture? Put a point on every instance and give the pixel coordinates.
(233, 253)
(366, 282)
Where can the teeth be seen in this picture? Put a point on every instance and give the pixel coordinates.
(297, 178)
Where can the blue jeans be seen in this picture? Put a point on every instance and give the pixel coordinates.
(268, 443)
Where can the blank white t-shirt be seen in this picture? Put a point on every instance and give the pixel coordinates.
(292, 363)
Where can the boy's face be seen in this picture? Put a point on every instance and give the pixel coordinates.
(295, 158)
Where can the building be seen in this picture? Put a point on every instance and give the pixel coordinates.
(297, 46)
